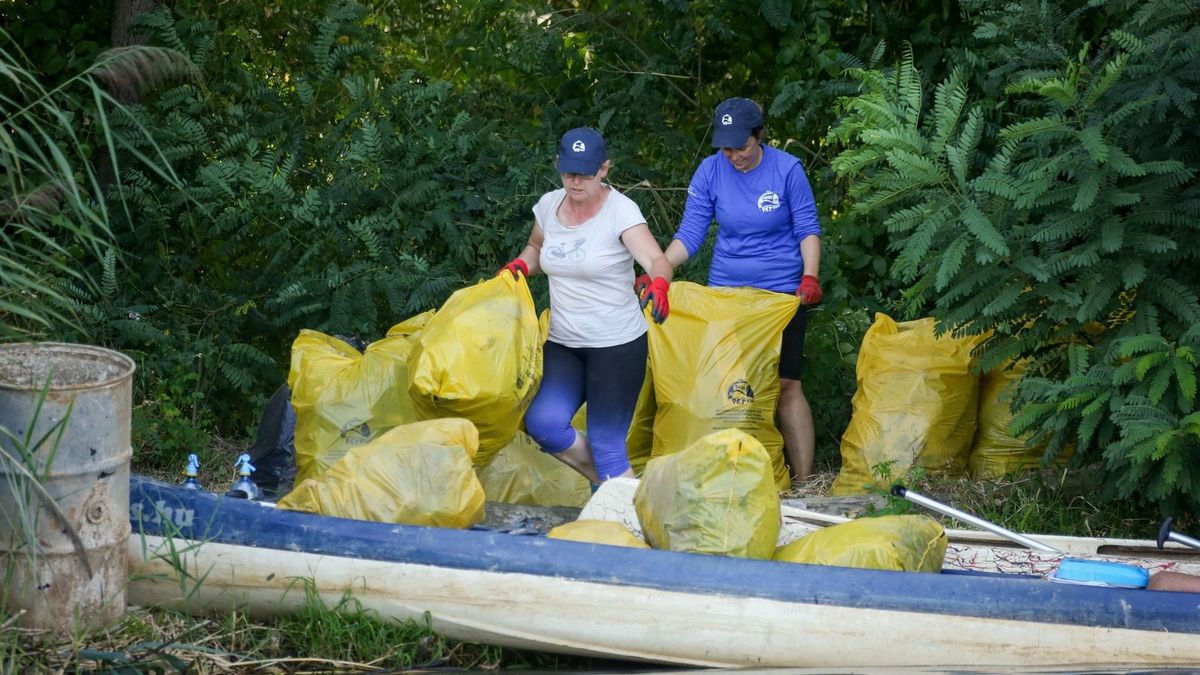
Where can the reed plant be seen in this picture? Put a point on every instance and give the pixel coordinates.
(60, 158)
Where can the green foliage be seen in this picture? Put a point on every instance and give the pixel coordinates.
(62, 37)
(885, 477)
(344, 166)
(57, 146)
(333, 199)
(171, 422)
(348, 633)
(370, 162)
(1055, 210)
(317, 638)
(831, 345)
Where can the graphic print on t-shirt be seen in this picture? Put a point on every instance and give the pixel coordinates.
(768, 201)
(576, 254)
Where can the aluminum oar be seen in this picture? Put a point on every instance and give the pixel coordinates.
(946, 510)
(1165, 533)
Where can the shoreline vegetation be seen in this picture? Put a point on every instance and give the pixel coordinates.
(194, 183)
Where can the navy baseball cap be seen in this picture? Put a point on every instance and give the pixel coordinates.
(734, 120)
(581, 151)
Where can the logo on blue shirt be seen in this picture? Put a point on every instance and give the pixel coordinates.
(768, 202)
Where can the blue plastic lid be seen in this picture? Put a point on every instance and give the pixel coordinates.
(1100, 573)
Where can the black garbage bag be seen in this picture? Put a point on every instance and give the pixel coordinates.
(273, 452)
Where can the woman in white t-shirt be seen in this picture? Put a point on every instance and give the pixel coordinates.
(586, 237)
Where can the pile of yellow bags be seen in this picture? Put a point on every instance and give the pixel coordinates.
(919, 403)
(343, 398)
(476, 361)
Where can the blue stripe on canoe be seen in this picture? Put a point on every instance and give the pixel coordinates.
(166, 510)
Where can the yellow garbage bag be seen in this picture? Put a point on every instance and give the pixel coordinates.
(522, 474)
(597, 532)
(639, 442)
(716, 366)
(716, 496)
(344, 398)
(915, 405)
(996, 452)
(480, 357)
(411, 326)
(906, 543)
(416, 474)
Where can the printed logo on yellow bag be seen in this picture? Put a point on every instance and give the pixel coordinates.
(356, 432)
(740, 393)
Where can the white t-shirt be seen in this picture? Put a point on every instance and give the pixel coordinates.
(592, 303)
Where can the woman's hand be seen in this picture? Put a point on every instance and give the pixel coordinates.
(655, 293)
(514, 266)
(809, 290)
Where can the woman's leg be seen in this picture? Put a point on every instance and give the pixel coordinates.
(613, 379)
(796, 426)
(548, 419)
(792, 412)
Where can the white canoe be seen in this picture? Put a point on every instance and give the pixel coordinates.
(656, 606)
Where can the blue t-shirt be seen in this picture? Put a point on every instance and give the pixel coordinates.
(761, 217)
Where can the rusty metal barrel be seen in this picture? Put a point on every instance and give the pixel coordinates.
(64, 484)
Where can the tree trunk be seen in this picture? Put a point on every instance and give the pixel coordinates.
(124, 11)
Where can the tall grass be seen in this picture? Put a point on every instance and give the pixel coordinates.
(1049, 501)
(59, 161)
(59, 155)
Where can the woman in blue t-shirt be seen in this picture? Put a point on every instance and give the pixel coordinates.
(768, 237)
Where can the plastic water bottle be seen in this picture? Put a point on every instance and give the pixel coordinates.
(193, 467)
(243, 487)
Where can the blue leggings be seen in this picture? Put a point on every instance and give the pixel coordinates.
(609, 380)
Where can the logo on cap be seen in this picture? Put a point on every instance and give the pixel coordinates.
(578, 146)
(726, 119)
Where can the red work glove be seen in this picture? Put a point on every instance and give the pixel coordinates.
(517, 265)
(656, 294)
(809, 290)
(640, 285)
